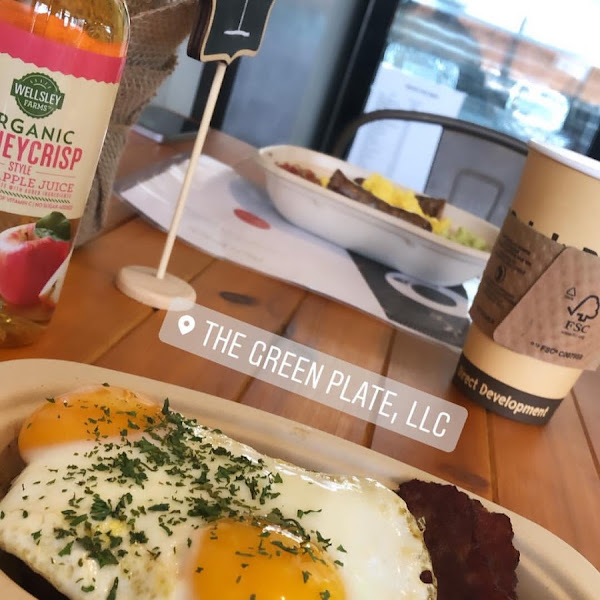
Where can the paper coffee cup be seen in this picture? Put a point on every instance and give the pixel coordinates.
(536, 323)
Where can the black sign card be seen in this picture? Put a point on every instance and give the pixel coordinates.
(226, 29)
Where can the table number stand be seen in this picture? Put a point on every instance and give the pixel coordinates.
(223, 31)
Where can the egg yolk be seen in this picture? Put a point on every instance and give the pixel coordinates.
(255, 559)
(91, 414)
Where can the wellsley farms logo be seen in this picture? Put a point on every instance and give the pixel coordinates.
(37, 95)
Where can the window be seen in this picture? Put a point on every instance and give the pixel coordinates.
(526, 69)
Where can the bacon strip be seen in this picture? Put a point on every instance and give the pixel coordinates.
(471, 548)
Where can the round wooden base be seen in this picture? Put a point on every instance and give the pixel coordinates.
(142, 284)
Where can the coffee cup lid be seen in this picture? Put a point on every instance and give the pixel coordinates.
(579, 162)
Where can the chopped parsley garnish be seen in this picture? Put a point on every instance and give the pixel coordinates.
(137, 537)
(94, 547)
(112, 595)
(301, 513)
(66, 550)
(100, 509)
(190, 476)
(325, 542)
(290, 549)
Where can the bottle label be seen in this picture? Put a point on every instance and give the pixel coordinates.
(55, 105)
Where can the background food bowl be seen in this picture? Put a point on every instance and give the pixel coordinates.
(368, 231)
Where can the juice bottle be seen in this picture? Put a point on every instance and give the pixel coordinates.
(60, 65)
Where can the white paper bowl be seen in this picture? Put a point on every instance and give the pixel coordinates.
(549, 569)
(368, 231)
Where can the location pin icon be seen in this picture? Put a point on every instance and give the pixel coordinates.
(186, 324)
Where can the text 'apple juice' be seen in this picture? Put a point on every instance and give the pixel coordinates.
(60, 66)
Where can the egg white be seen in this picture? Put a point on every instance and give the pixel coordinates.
(369, 527)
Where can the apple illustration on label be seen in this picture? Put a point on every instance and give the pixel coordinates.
(51, 291)
(30, 254)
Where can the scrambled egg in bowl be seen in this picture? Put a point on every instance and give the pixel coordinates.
(406, 199)
(403, 198)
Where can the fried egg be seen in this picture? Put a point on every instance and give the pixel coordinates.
(124, 499)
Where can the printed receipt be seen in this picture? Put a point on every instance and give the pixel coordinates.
(315, 375)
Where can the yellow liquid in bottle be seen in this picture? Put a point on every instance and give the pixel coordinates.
(40, 157)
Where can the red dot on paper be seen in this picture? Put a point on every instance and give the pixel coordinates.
(251, 219)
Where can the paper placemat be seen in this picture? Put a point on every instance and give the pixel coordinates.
(230, 218)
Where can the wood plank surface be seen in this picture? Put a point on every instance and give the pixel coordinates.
(429, 367)
(339, 331)
(224, 287)
(92, 314)
(547, 475)
(587, 397)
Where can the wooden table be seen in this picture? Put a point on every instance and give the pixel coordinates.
(548, 474)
